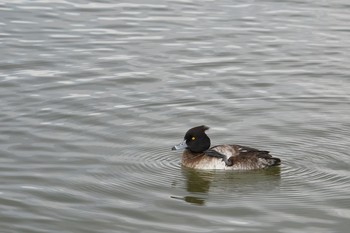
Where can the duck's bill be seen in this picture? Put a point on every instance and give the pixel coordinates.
(180, 146)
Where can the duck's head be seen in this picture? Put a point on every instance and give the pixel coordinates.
(195, 140)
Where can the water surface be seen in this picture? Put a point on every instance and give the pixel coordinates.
(95, 93)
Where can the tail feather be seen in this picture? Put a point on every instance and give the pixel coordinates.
(274, 161)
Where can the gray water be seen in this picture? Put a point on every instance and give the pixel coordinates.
(95, 93)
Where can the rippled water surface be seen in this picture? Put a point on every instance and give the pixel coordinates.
(93, 94)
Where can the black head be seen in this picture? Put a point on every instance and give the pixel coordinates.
(196, 139)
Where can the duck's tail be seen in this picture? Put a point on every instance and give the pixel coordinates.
(273, 161)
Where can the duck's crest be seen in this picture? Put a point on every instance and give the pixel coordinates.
(204, 127)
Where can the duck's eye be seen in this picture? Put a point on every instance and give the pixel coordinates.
(193, 138)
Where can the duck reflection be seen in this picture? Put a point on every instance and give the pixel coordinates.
(197, 182)
(200, 183)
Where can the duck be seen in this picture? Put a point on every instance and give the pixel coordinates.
(199, 155)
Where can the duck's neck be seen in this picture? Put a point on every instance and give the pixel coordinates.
(190, 154)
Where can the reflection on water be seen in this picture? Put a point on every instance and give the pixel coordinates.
(199, 182)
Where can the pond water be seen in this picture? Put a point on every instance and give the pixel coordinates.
(95, 93)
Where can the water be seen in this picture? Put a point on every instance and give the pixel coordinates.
(95, 93)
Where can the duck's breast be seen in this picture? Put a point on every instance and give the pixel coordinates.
(201, 161)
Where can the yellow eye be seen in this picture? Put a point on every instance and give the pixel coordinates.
(193, 138)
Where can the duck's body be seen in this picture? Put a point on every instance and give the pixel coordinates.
(241, 158)
(198, 155)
